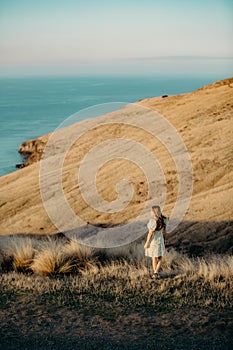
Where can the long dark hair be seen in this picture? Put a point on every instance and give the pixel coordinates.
(161, 223)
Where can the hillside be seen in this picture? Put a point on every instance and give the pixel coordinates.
(203, 119)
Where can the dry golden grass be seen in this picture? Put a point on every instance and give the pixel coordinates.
(45, 257)
(76, 288)
(20, 252)
(59, 257)
(216, 267)
(51, 260)
(185, 281)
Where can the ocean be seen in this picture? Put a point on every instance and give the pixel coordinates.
(33, 106)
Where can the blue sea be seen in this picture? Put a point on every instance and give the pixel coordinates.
(33, 106)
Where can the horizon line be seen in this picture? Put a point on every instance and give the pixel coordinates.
(120, 59)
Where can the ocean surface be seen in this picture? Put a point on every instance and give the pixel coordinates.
(33, 106)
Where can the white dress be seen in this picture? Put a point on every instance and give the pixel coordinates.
(157, 246)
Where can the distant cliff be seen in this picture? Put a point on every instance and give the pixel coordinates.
(32, 151)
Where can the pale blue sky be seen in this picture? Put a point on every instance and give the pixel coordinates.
(114, 37)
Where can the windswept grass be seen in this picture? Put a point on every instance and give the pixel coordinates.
(58, 257)
(124, 284)
(72, 282)
(123, 270)
(217, 267)
(51, 260)
(17, 253)
(48, 257)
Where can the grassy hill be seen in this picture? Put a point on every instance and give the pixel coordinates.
(56, 293)
(203, 119)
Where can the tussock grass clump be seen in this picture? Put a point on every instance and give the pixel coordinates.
(55, 257)
(49, 258)
(210, 268)
(17, 254)
(75, 250)
(216, 267)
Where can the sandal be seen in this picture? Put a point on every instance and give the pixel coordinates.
(155, 275)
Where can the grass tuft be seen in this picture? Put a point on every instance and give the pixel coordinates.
(18, 254)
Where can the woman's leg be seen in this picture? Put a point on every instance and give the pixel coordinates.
(154, 263)
(159, 261)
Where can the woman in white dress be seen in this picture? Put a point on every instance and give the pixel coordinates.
(155, 243)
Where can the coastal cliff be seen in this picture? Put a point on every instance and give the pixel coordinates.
(32, 151)
(202, 118)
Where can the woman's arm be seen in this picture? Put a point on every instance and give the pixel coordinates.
(149, 236)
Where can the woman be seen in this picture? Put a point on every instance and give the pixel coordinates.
(155, 247)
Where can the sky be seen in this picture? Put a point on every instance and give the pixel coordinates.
(115, 37)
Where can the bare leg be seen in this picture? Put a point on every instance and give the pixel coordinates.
(159, 261)
(154, 263)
